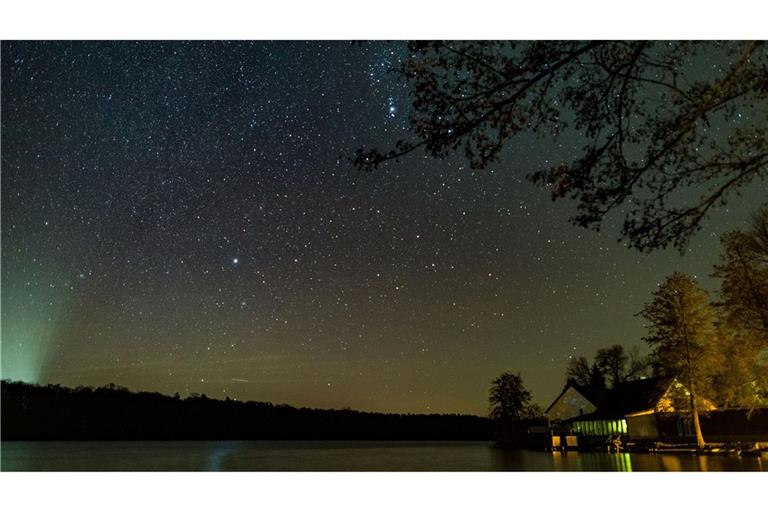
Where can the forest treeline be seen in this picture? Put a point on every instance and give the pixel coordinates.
(53, 412)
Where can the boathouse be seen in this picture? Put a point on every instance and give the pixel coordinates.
(631, 409)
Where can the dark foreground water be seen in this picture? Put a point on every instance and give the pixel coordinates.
(339, 456)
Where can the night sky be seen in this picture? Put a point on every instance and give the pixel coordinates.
(181, 217)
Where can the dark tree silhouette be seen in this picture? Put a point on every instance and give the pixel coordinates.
(580, 372)
(619, 366)
(613, 364)
(612, 361)
(509, 399)
(510, 406)
(53, 412)
(671, 129)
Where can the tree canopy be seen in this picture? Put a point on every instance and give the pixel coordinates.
(619, 366)
(681, 331)
(743, 314)
(509, 399)
(580, 372)
(670, 130)
(612, 366)
(743, 269)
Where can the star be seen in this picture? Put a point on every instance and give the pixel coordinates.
(392, 109)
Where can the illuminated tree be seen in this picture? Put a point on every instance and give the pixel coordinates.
(681, 332)
(670, 130)
(743, 270)
(739, 377)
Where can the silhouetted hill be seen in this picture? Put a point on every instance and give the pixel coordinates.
(53, 412)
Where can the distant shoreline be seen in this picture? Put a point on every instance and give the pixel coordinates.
(37, 413)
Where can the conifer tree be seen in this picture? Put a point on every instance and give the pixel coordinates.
(682, 334)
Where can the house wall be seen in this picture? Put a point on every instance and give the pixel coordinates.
(717, 426)
(642, 427)
(569, 405)
(736, 424)
(677, 398)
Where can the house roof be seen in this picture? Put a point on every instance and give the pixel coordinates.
(630, 397)
(637, 395)
(625, 398)
(588, 393)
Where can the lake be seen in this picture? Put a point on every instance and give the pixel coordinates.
(339, 456)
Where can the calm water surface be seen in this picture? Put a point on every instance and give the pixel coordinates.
(338, 456)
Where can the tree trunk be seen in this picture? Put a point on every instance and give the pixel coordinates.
(696, 424)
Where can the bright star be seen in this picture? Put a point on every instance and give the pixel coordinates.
(391, 105)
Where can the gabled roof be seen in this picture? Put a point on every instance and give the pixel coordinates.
(630, 397)
(636, 395)
(588, 393)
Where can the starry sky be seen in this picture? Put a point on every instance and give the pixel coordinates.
(182, 217)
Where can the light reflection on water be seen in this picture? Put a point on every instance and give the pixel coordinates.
(590, 461)
(339, 456)
(219, 455)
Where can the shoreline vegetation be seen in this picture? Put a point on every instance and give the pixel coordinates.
(32, 412)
